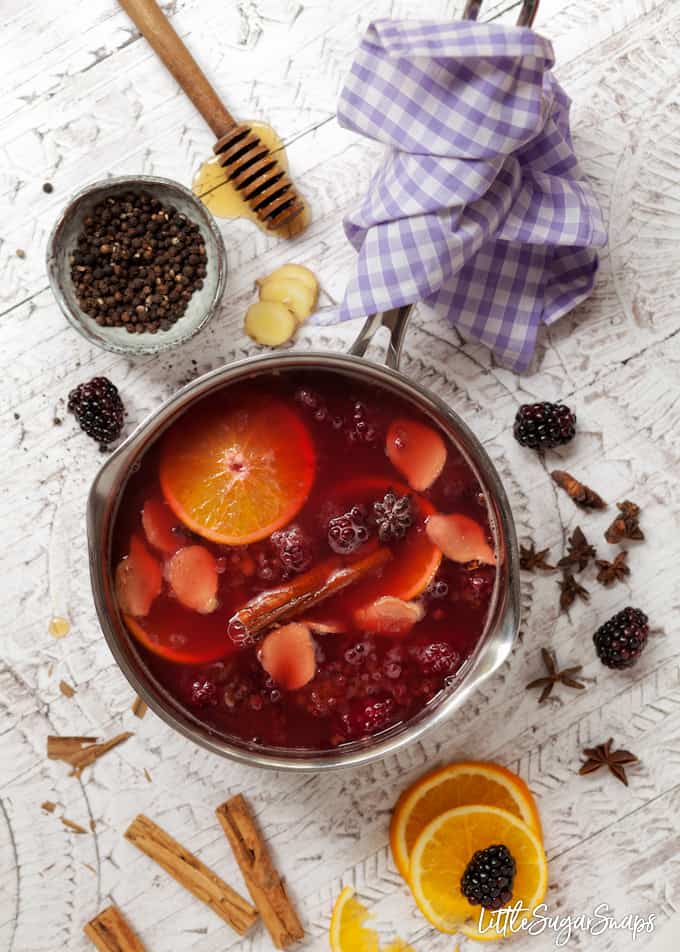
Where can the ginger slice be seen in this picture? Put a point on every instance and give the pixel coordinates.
(298, 297)
(296, 271)
(270, 323)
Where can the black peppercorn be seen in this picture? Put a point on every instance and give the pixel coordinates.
(137, 263)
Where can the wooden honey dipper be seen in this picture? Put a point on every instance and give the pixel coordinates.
(250, 165)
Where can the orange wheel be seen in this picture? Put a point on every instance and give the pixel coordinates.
(460, 784)
(237, 474)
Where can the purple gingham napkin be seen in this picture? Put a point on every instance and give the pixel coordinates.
(480, 208)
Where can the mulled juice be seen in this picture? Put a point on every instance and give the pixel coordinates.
(304, 560)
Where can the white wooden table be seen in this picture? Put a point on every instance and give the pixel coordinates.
(82, 97)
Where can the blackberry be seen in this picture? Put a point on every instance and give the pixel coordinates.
(542, 426)
(488, 878)
(204, 694)
(393, 516)
(349, 531)
(621, 640)
(292, 549)
(98, 409)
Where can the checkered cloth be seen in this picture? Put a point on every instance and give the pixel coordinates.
(480, 208)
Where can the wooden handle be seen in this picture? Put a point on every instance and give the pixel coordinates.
(155, 27)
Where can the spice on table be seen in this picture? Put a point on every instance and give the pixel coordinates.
(75, 827)
(579, 552)
(627, 523)
(20, 253)
(81, 752)
(554, 676)
(610, 572)
(603, 756)
(66, 689)
(191, 873)
(48, 806)
(570, 590)
(110, 932)
(264, 883)
(582, 495)
(530, 559)
(139, 707)
(48, 188)
(137, 263)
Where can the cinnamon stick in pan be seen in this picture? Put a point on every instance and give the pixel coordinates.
(297, 595)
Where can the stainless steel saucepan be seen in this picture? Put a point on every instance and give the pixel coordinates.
(503, 619)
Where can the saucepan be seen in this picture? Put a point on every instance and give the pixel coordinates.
(504, 613)
(502, 622)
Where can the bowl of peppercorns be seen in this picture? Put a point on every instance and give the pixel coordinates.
(137, 264)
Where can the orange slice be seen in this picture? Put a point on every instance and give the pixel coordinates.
(442, 852)
(180, 634)
(463, 784)
(348, 931)
(237, 474)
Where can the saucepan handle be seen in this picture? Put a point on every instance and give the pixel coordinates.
(395, 320)
(525, 18)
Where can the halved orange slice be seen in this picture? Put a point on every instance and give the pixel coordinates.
(442, 852)
(348, 931)
(237, 474)
(463, 784)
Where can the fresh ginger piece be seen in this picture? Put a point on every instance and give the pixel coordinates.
(270, 323)
(298, 272)
(298, 297)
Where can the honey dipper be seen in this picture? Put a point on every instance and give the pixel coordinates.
(250, 165)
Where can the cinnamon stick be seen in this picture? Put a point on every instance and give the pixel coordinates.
(302, 592)
(191, 873)
(264, 883)
(80, 752)
(71, 825)
(110, 932)
(139, 707)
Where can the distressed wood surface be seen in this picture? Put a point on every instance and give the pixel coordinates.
(82, 97)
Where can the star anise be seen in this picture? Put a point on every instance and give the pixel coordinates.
(570, 590)
(610, 572)
(626, 525)
(530, 559)
(582, 495)
(604, 756)
(579, 551)
(554, 676)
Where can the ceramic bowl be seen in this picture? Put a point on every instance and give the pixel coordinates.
(203, 303)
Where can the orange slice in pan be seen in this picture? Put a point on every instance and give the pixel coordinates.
(236, 474)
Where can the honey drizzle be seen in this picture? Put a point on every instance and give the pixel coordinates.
(59, 627)
(210, 184)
